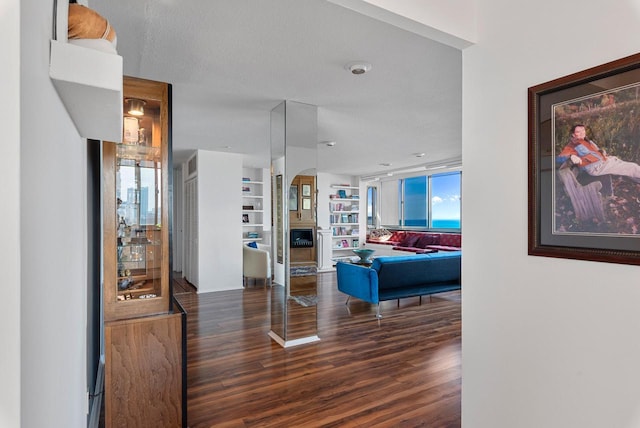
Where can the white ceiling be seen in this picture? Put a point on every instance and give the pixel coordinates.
(232, 61)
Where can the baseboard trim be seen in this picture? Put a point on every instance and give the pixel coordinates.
(295, 342)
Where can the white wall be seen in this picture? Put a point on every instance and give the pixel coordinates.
(10, 213)
(53, 236)
(219, 221)
(546, 342)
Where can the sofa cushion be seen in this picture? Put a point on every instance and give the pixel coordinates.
(418, 269)
(409, 240)
(451, 240)
(427, 239)
(252, 244)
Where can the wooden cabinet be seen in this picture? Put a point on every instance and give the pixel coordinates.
(302, 201)
(144, 338)
(143, 372)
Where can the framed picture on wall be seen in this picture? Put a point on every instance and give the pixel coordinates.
(584, 164)
(293, 198)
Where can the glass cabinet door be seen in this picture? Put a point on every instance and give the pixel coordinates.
(135, 206)
(139, 238)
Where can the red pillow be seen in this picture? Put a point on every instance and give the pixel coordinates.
(397, 236)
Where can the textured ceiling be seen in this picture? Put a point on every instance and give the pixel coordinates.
(232, 61)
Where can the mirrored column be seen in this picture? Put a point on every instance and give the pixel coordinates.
(293, 171)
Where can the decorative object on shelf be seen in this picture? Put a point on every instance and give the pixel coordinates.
(245, 218)
(252, 235)
(85, 23)
(246, 179)
(247, 207)
(364, 254)
(246, 188)
(342, 194)
(131, 130)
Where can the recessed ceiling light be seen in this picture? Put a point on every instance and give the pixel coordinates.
(330, 143)
(389, 174)
(358, 67)
(385, 164)
(419, 155)
(135, 107)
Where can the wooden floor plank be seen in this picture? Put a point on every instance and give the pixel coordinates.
(401, 371)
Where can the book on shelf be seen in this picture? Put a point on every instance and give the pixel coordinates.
(246, 179)
(246, 188)
(342, 194)
(339, 231)
(252, 235)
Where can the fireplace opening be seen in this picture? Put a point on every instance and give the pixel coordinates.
(301, 238)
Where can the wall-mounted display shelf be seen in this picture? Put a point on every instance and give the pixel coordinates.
(88, 81)
(252, 205)
(344, 211)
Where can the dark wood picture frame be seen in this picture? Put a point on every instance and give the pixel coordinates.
(547, 103)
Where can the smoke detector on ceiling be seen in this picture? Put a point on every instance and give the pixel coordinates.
(358, 67)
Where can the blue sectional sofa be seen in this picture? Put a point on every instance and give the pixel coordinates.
(391, 278)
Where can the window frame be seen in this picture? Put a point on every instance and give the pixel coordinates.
(401, 202)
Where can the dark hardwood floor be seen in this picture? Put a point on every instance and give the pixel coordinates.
(401, 371)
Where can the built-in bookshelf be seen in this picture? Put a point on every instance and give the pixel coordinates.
(252, 205)
(344, 212)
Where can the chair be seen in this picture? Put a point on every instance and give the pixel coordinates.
(256, 263)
